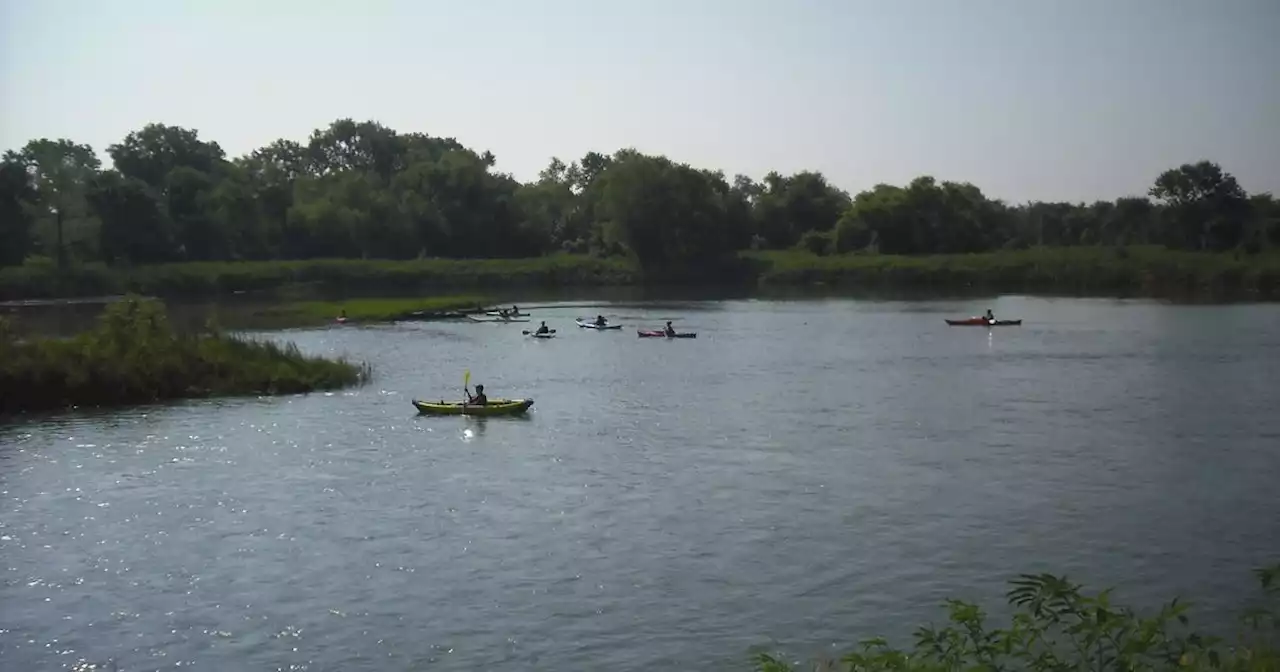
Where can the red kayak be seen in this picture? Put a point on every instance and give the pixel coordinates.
(983, 322)
(660, 334)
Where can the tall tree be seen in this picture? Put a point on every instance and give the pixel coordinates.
(135, 226)
(16, 194)
(60, 172)
(152, 152)
(1207, 207)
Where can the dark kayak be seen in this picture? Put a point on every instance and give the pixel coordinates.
(662, 334)
(983, 322)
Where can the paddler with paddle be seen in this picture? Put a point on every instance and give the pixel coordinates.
(479, 399)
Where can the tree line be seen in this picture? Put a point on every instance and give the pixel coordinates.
(363, 190)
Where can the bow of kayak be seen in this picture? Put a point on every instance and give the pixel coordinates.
(494, 407)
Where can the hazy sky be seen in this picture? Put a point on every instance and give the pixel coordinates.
(1028, 99)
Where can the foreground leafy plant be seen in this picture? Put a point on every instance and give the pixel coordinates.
(1058, 628)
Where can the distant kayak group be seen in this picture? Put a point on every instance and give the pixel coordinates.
(599, 323)
(479, 404)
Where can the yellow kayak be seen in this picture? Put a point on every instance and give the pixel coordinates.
(494, 407)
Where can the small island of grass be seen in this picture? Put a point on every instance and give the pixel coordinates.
(133, 355)
(372, 310)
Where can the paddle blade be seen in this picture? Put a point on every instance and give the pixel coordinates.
(466, 377)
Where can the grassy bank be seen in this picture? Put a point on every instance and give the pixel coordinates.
(369, 310)
(1057, 627)
(1152, 271)
(207, 279)
(133, 355)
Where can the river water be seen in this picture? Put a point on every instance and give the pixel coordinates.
(802, 475)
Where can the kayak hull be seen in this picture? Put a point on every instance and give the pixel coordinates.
(497, 320)
(592, 325)
(494, 407)
(982, 322)
(494, 313)
(542, 335)
(663, 334)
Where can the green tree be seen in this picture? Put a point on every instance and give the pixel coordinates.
(152, 152)
(60, 171)
(135, 227)
(16, 194)
(666, 214)
(1206, 206)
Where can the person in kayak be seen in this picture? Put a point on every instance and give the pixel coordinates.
(479, 399)
(600, 321)
(542, 329)
(669, 330)
(989, 316)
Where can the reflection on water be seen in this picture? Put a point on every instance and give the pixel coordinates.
(804, 473)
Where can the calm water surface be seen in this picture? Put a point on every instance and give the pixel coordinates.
(802, 475)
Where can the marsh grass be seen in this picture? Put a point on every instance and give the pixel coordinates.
(133, 355)
(1147, 270)
(204, 279)
(1143, 270)
(372, 309)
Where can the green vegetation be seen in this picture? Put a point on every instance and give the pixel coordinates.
(1145, 269)
(133, 355)
(1141, 269)
(206, 279)
(1056, 627)
(361, 206)
(373, 310)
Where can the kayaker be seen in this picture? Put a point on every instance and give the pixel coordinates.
(669, 330)
(600, 321)
(515, 310)
(990, 317)
(542, 329)
(479, 399)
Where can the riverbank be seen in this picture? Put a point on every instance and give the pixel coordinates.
(331, 276)
(1149, 271)
(133, 355)
(1145, 271)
